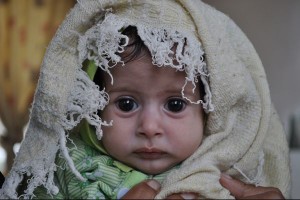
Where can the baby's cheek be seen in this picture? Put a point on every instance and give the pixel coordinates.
(194, 141)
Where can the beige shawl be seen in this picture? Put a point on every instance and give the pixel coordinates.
(243, 135)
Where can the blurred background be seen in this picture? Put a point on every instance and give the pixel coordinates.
(27, 26)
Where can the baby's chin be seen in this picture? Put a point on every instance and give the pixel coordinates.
(153, 170)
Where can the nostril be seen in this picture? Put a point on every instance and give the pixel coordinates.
(150, 122)
(149, 130)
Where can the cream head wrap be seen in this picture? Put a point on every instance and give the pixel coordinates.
(243, 136)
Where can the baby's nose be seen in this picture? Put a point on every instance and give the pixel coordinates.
(150, 124)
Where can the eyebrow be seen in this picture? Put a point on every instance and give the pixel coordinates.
(173, 90)
(120, 89)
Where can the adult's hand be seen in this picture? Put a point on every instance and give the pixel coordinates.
(241, 190)
(149, 189)
(143, 190)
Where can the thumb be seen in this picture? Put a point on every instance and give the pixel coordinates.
(144, 190)
(240, 189)
(236, 188)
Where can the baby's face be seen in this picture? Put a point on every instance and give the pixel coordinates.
(154, 128)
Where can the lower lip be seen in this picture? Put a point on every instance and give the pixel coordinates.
(150, 155)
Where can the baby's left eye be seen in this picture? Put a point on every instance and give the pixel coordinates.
(175, 105)
(126, 104)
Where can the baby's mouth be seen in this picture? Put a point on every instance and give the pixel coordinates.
(149, 153)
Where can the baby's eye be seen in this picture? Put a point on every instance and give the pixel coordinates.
(175, 105)
(126, 104)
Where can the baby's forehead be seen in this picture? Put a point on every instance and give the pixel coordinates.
(142, 68)
(142, 76)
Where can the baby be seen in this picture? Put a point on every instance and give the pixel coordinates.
(156, 125)
(164, 90)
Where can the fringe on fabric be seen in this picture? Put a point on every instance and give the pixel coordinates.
(101, 43)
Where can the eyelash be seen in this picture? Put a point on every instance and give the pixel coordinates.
(128, 104)
(134, 105)
(176, 101)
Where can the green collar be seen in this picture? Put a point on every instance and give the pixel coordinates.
(88, 135)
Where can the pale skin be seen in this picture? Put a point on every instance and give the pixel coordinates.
(150, 117)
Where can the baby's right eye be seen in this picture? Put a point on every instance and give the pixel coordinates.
(126, 104)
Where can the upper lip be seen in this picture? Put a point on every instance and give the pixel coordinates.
(148, 150)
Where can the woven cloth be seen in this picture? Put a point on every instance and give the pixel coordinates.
(106, 177)
(243, 135)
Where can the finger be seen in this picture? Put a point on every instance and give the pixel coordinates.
(241, 190)
(175, 196)
(183, 196)
(263, 193)
(235, 187)
(143, 190)
(266, 195)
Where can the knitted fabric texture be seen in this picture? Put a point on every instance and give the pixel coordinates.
(243, 135)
